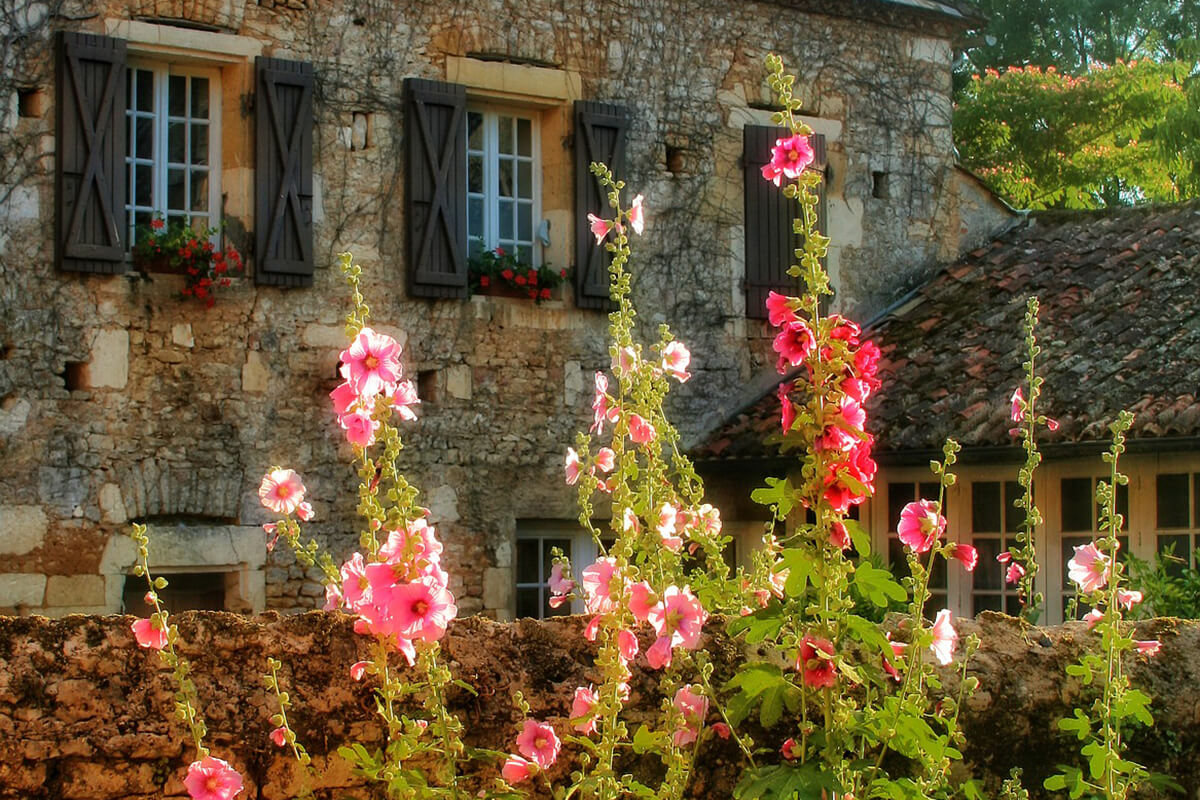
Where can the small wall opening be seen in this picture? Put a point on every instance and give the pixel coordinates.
(185, 591)
(880, 186)
(73, 375)
(30, 103)
(427, 386)
(676, 161)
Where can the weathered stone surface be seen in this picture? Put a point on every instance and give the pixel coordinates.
(21, 589)
(75, 590)
(22, 528)
(84, 712)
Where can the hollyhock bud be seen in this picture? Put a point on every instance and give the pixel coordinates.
(517, 769)
(279, 736)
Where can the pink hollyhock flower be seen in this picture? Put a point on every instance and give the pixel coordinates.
(592, 628)
(558, 583)
(1089, 568)
(279, 736)
(371, 362)
(358, 669)
(787, 411)
(780, 310)
(1051, 424)
(583, 710)
(1092, 617)
(627, 644)
(517, 769)
(281, 491)
(600, 227)
(606, 459)
(1148, 648)
(629, 521)
(793, 343)
(572, 466)
(789, 158)
(355, 585)
(345, 398)
(966, 555)
(422, 609)
(538, 743)
(333, 597)
(1015, 573)
(676, 358)
(641, 431)
(360, 427)
(945, 638)
(405, 395)
(602, 585)
(637, 217)
(601, 410)
(678, 617)
(790, 749)
(149, 635)
(1018, 405)
(1004, 557)
(694, 708)
(305, 512)
(1128, 598)
(272, 530)
(816, 661)
(667, 517)
(921, 525)
(839, 537)
(212, 779)
(721, 729)
(641, 600)
(898, 649)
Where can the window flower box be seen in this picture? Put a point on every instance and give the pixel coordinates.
(500, 274)
(177, 249)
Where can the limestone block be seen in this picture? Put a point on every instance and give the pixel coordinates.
(112, 505)
(75, 590)
(108, 366)
(458, 381)
(359, 134)
(181, 335)
(443, 504)
(22, 529)
(19, 589)
(325, 336)
(497, 588)
(572, 383)
(925, 48)
(255, 373)
(23, 203)
(13, 414)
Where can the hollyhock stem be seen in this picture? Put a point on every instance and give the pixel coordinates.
(1026, 551)
(271, 679)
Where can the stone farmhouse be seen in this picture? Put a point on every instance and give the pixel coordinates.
(415, 135)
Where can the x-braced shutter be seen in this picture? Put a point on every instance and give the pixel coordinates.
(283, 174)
(600, 133)
(770, 239)
(90, 163)
(436, 188)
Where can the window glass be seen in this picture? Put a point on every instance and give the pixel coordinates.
(901, 494)
(1177, 514)
(502, 171)
(994, 521)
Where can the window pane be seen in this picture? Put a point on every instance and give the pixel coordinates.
(548, 545)
(199, 191)
(899, 495)
(525, 254)
(527, 602)
(475, 218)
(989, 573)
(525, 222)
(200, 98)
(505, 178)
(505, 134)
(1172, 501)
(175, 189)
(986, 602)
(1077, 503)
(525, 180)
(1013, 516)
(929, 491)
(177, 95)
(1012, 605)
(176, 145)
(475, 174)
(145, 90)
(524, 137)
(506, 220)
(985, 506)
(199, 153)
(1175, 550)
(143, 185)
(143, 133)
(528, 562)
(474, 130)
(1196, 497)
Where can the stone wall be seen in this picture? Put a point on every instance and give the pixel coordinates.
(118, 402)
(84, 712)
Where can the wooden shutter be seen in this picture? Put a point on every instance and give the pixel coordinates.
(770, 240)
(600, 133)
(283, 174)
(436, 187)
(90, 163)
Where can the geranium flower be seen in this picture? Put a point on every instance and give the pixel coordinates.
(694, 708)
(945, 638)
(921, 525)
(538, 742)
(819, 670)
(281, 491)
(1089, 568)
(583, 710)
(637, 217)
(211, 778)
(149, 635)
(371, 362)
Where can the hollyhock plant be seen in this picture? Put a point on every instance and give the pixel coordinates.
(538, 743)
(789, 158)
(815, 661)
(371, 362)
(693, 706)
(678, 619)
(945, 638)
(281, 491)
(676, 358)
(921, 525)
(210, 778)
(599, 227)
(150, 633)
(793, 343)
(1089, 568)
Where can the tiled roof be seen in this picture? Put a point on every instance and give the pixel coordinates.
(1120, 328)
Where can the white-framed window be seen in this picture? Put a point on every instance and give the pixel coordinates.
(900, 494)
(503, 183)
(1177, 517)
(173, 136)
(536, 540)
(995, 521)
(1078, 522)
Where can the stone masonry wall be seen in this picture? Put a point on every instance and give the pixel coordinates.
(84, 713)
(118, 402)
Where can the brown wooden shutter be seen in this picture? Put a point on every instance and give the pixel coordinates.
(283, 172)
(436, 187)
(770, 241)
(90, 163)
(600, 133)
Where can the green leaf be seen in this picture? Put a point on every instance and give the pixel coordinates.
(778, 492)
(763, 685)
(799, 564)
(1136, 704)
(1079, 724)
(877, 585)
(1080, 671)
(646, 740)
(860, 538)
(1055, 783)
(786, 782)
(766, 623)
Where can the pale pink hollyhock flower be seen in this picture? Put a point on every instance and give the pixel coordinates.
(358, 669)
(1015, 573)
(558, 583)
(601, 410)
(212, 779)
(637, 216)
(627, 644)
(305, 512)
(678, 620)
(667, 516)
(790, 750)
(839, 537)
(572, 466)
(1148, 648)
(360, 427)
(606, 459)
(852, 412)
(272, 530)
(641, 600)
(281, 491)
(945, 638)
(641, 431)
(1089, 568)
(694, 708)
(676, 359)
(592, 628)
(405, 395)
(1092, 617)
(1018, 405)
(583, 710)
(279, 736)
(600, 227)
(921, 525)
(371, 362)
(793, 343)
(626, 360)
(778, 579)
(422, 609)
(602, 585)
(538, 742)
(355, 585)
(789, 158)
(333, 597)
(1128, 598)
(780, 310)
(629, 521)
(517, 769)
(966, 555)
(815, 660)
(345, 398)
(149, 635)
